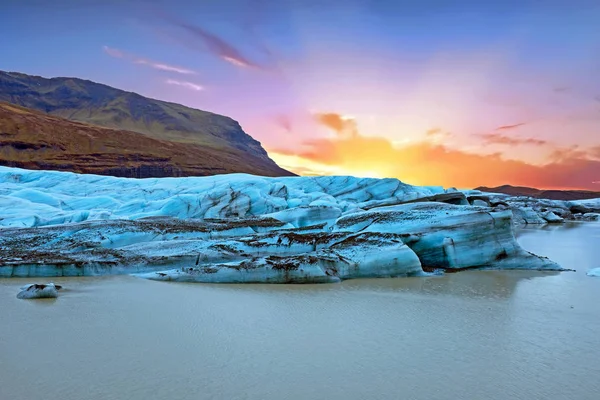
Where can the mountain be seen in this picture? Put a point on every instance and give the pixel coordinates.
(216, 138)
(34, 140)
(542, 194)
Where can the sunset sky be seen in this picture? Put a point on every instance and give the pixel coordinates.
(438, 92)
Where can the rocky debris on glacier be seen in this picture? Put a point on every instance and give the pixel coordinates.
(243, 228)
(364, 255)
(39, 291)
(530, 210)
(402, 240)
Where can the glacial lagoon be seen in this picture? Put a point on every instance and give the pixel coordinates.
(469, 335)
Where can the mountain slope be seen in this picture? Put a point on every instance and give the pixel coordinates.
(542, 194)
(34, 140)
(94, 103)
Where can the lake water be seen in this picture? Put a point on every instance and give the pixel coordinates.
(471, 335)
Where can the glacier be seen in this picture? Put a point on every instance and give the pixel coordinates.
(241, 228)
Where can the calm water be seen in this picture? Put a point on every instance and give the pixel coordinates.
(473, 335)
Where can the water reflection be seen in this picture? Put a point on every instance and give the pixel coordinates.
(532, 229)
(484, 284)
(574, 245)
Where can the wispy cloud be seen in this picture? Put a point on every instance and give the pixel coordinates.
(212, 42)
(113, 52)
(186, 84)
(498, 138)
(165, 67)
(566, 153)
(283, 121)
(433, 132)
(437, 135)
(508, 127)
(116, 53)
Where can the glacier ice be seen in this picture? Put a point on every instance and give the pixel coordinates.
(594, 272)
(39, 291)
(244, 228)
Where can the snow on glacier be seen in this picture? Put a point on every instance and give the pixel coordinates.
(38, 198)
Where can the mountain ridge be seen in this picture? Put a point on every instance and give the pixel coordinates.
(35, 140)
(97, 104)
(551, 194)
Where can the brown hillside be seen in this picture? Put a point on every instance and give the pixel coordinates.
(33, 140)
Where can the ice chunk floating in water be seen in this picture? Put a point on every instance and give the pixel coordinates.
(39, 291)
(594, 272)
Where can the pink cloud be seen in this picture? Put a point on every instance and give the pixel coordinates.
(498, 138)
(186, 84)
(507, 127)
(116, 53)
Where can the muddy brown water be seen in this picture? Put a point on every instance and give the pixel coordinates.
(469, 335)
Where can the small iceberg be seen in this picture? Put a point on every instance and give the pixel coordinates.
(39, 291)
(594, 272)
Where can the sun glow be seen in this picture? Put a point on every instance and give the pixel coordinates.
(306, 167)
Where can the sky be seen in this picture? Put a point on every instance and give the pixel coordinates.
(434, 92)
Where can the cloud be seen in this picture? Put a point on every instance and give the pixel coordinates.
(341, 124)
(567, 153)
(433, 132)
(189, 85)
(498, 138)
(213, 43)
(116, 53)
(113, 52)
(284, 122)
(508, 127)
(425, 163)
(437, 135)
(575, 151)
(561, 89)
(165, 67)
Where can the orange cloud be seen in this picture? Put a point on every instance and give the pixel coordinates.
(425, 163)
(433, 132)
(568, 153)
(437, 135)
(341, 124)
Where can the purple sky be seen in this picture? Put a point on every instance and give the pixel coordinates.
(518, 81)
